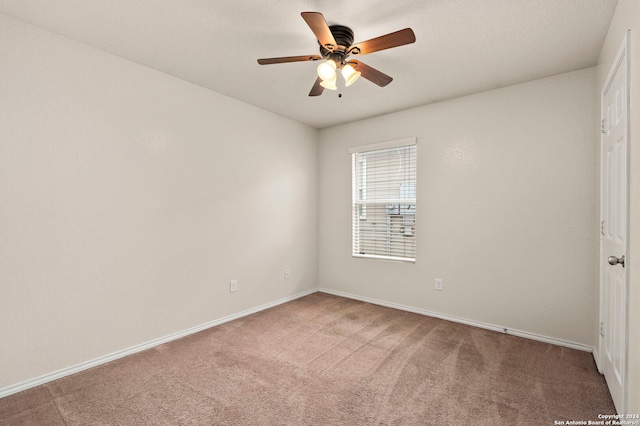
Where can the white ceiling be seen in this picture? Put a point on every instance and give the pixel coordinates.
(462, 46)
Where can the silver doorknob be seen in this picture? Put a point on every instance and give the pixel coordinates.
(613, 261)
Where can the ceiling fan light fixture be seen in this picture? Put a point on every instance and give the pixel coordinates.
(336, 44)
(327, 70)
(350, 74)
(329, 84)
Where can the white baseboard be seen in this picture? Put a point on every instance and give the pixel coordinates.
(9, 390)
(501, 329)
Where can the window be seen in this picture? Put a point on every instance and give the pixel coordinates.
(384, 200)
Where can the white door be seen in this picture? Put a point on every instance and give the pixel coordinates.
(613, 282)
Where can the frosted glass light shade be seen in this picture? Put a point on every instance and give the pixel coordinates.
(327, 70)
(329, 84)
(350, 74)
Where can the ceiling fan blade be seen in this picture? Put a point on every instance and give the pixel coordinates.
(398, 38)
(316, 90)
(284, 59)
(319, 26)
(371, 74)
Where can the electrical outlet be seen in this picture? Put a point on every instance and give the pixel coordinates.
(438, 284)
(287, 274)
(233, 286)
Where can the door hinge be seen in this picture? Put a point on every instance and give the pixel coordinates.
(602, 227)
(602, 126)
(602, 328)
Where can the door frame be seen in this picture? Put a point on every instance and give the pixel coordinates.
(621, 60)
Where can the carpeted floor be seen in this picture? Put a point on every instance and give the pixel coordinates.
(326, 360)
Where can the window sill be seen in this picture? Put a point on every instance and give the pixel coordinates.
(391, 258)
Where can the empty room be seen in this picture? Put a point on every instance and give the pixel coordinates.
(319, 213)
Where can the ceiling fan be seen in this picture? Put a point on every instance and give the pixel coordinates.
(336, 45)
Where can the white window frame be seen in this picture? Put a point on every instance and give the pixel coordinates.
(359, 206)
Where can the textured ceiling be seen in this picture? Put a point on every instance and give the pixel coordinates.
(462, 47)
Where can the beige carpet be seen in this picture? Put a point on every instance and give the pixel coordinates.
(326, 360)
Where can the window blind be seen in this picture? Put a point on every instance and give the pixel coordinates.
(384, 200)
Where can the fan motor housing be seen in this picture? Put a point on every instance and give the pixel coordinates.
(344, 38)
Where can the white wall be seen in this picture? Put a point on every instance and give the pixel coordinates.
(129, 199)
(507, 208)
(627, 16)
